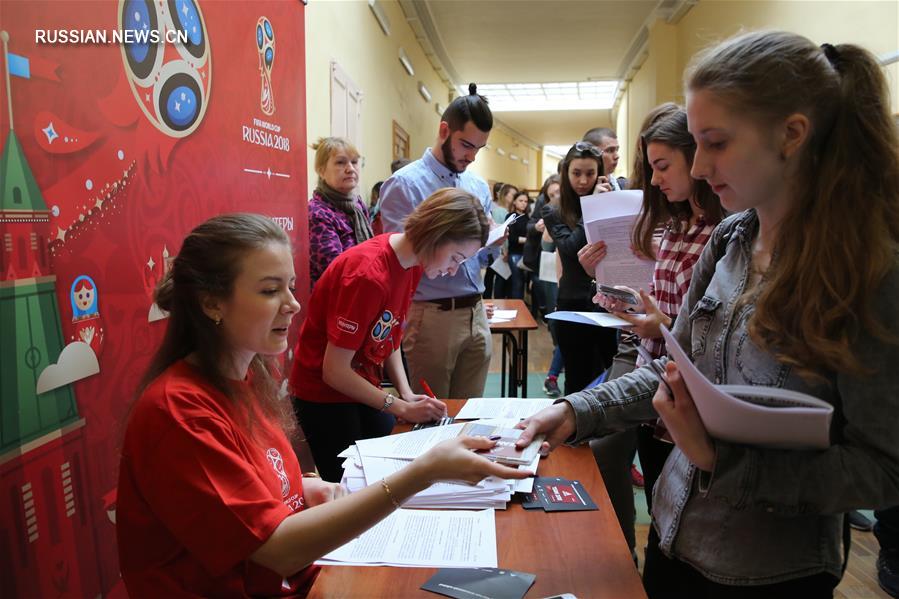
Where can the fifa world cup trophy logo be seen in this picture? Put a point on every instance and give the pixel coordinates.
(265, 43)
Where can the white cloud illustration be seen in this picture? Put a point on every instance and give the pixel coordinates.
(76, 361)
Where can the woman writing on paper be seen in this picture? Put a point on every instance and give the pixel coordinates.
(586, 350)
(210, 500)
(355, 327)
(798, 290)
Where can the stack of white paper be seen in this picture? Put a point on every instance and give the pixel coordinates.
(370, 460)
(512, 408)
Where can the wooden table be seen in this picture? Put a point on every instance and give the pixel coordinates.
(583, 553)
(515, 346)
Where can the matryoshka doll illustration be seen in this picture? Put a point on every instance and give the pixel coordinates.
(86, 323)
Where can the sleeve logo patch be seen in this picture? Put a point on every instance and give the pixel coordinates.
(347, 325)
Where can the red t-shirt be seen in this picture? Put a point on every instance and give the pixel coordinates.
(198, 495)
(359, 303)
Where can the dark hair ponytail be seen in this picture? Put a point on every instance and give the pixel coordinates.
(472, 107)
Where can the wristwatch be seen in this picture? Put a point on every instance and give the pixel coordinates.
(388, 401)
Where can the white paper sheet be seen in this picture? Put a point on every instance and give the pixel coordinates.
(599, 319)
(548, 267)
(408, 445)
(423, 538)
(805, 425)
(498, 232)
(502, 407)
(610, 217)
(501, 267)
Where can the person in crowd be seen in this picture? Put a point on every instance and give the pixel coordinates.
(373, 200)
(607, 141)
(338, 219)
(515, 250)
(785, 129)
(545, 292)
(586, 350)
(447, 342)
(357, 314)
(495, 286)
(211, 500)
(687, 210)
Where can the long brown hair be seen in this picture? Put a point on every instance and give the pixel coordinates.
(636, 179)
(670, 129)
(207, 265)
(839, 239)
(569, 200)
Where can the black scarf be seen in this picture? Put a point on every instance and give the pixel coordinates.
(350, 206)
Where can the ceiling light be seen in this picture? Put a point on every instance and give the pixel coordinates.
(513, 157)
(380, 15)
(567, 95)
(500, 151)
(407, 64)
(424, 92)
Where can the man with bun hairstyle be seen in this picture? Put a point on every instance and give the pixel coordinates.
(447, 342)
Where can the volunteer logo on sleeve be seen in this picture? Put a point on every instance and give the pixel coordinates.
(347, 325)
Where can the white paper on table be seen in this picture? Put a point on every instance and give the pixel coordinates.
(502, 407)
(548, 267)
(423, 538)
(507, 314)
(599, 319)
(501, 267)
(407, 445)
(788, 420)
(610, 217)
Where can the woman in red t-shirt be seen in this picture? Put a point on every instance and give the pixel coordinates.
(211, 500)
(354, 329)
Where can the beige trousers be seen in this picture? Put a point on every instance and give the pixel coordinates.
(450, 349)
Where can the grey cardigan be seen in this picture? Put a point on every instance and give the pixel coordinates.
(763, 515)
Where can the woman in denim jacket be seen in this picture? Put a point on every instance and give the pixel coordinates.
(798, 290)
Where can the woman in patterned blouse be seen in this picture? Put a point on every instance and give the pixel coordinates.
(338, 219)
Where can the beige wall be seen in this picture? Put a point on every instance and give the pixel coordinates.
(872, 24)
(492, 166)
(348, 33)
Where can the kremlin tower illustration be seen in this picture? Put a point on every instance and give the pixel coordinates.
(46, 530)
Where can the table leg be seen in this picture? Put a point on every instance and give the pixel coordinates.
(502, 379)
(524, 363)
(513, 362)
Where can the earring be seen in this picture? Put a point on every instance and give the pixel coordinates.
(218, 320)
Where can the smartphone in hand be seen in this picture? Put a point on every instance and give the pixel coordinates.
(618, 294)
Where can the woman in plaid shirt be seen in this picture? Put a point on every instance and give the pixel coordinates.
(686, 211)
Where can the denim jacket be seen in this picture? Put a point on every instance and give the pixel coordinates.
(763, 515)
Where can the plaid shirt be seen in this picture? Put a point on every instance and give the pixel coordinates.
(677, 254)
